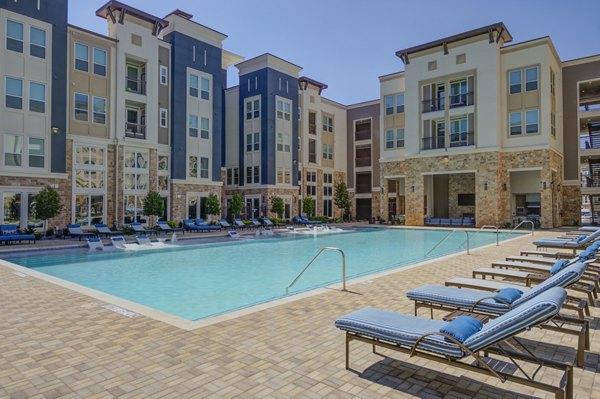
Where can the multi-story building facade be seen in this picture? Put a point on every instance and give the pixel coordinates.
(473, 126)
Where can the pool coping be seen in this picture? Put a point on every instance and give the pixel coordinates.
(125, 306)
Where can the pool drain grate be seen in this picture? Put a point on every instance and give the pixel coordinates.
(121, 311)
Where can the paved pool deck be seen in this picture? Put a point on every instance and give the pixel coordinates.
(57, 343)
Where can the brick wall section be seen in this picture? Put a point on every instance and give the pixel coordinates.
(571, 209)
(492, 205)
(460, 184)
(179, 197)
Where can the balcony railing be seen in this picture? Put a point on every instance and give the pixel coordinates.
(432, 143)
(362, 135)
(135, 86)
(363, 188)
(462, 139)
(461, 100)
(433, 104)
(135, 130)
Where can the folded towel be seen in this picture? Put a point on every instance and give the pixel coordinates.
(558, 266)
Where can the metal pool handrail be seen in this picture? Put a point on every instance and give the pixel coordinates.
(446, 237)
(315, 258)
(491, 226)
(522, 223)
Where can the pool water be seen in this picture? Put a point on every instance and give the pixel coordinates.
(204, 280)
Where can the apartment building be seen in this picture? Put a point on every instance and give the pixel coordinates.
(33, 128)
(473, 128)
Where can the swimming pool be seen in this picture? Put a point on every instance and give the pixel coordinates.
(199, 281)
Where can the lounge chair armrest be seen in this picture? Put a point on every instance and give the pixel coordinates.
(490, 297)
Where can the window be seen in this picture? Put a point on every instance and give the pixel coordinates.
(233, 176)
(14, 93)
(553, 124)
(89, 186)
(99, 62)
(203, 168)
(389, 105)
(532, 121)
(81, 57)
(193, 125)
(81, 107)
(389, 139)
(328, 151)
(312, 151)
(99, 109)
(284, 110)
(552, 82)
(252, 109)
(279, 109)
(515, 80)
(193, 85)
(193, 166)
(163, 173)
(13, 150)
(163, 117)
(400, 138)
(37, 97)
(252, 174)
(516, 123)
(327, 123)
(204, 128)
(312, 123)
(531, 79)
(252, 142)
(279, 141)
(458, 130)
(164, 75)
(37, 42)
(458, 93)
(399, 103)
(14, 36)
(205, 92)
(36, 152)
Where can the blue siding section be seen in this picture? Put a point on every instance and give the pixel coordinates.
(223, 115)
(268, 88)
(53, 12)
(182, 58)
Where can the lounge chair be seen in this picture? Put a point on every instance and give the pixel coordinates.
(138, 228)
(239, 223)
(103, 230)
(499, 302)
(233, 234)
(468, 221)
(225, 224)
(456, 222)
(578, 243)
(94, 243)
(255, 223)
(459, 342)
(10, 233)
(165, 228)
(74, 231)
(435, 221)
(207, 227)
(193, 225)
(268, 222)
(143, 239)
(118, 241)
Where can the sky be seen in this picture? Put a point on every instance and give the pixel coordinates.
(348, 44)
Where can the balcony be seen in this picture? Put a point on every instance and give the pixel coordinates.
(433, 104)
(433, 143)
(363, 162)
(135, 130)
(462, 139)
(461, 100)
(137, 86)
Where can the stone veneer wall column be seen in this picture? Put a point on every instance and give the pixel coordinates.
(571, 204)
(111, 201)
(460, 183)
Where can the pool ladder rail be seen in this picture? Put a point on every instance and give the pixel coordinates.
(448, 236)
(321, 251)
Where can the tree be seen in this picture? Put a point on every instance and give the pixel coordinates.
(277, 205)
(47, 205)
(213, 205)
(341, 197)
(153, 206)
(237, 204)
(308, 205)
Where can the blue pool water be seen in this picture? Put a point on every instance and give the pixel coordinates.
(204, 280)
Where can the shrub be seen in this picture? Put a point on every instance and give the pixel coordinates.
(46, 205)
(153, 206)
(172, 224)
(237, 204)
(213, 205)
(277, 205)
(308, 205)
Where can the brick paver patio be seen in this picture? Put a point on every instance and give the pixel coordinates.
(58, 343)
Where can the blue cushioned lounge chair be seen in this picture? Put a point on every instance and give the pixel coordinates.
(434, 341)
(475, 301)
(103, 230)
(9, 233)
(74, 231)
(94, 243)
(165, 228)
(255, 222)
(139, 229)
(268, 222)
(225, 224)
(576, 243)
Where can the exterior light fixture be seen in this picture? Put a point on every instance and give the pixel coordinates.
(485, 186)
(54, 130)
(544, 185)
(503, 186)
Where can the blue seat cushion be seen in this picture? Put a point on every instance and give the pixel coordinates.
(558, 266)
(462, 328)
(508, 295)
(400, 329)
(458, 297)
(587, 254)
(580, 239)
(9, 232)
